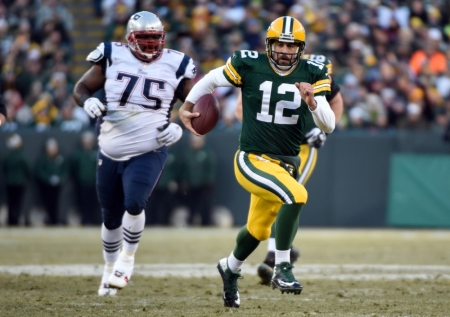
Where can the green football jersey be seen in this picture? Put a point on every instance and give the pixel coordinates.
(274, 114)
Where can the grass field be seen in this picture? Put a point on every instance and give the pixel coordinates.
(56, 271)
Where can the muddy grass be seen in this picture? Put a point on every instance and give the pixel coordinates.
(23, 295)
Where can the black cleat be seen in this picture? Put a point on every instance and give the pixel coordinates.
(230, 292)
(284, 280)
(265, 269)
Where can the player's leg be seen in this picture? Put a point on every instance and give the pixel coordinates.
(140, 175)
(264, 179)
(110, 195)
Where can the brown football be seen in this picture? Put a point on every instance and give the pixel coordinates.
(209, 109)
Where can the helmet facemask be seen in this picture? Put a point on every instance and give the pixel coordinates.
(292, 58)
(147, 45)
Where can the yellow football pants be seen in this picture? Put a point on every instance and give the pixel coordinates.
(270, 186)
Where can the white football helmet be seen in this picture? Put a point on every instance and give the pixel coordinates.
(145, 36)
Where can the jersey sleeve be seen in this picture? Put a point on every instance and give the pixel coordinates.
(335, 89)
(321, 80)
(187, 68)
(233, 69)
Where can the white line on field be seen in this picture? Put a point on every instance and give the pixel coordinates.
(309, 271)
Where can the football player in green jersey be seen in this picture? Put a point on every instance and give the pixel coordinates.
(314, 139)
(279, 90)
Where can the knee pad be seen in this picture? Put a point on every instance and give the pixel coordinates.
(134, 207)
(111, 220)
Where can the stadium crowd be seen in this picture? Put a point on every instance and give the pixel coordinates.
(390, 57)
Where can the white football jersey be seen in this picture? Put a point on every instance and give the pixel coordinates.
(139, 97)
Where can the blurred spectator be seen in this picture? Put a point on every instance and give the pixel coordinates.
(372, 109)
(82, 167)
(198, 177)
(50, 171)
(429, 58)
(54, 11)
(413, 119)
(44, 111)
(165, 196)
(73, 118)
(17, 174)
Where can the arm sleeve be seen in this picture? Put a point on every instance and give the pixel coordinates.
(207, 84)
(323, 116)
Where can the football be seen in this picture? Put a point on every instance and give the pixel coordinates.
(209, 109)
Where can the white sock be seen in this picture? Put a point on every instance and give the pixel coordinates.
(271, 245)
(107, 271)
(111, 243)
(282, 256)
(234, 264)
(133, 226)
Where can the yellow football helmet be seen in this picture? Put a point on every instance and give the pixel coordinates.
(286, 29)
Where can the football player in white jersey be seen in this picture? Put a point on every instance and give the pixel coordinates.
(142, 80)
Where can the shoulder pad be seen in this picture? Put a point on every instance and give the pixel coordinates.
(95, 56)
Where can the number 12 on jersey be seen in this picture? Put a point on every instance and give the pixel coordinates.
(264, 115)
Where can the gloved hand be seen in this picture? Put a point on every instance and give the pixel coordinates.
(94, 107)
(170, 135)
(316, 138)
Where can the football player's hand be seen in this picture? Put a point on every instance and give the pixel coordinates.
(316, 138)
(94, 107)
(186, 115)
(170, 135)
(307, 94)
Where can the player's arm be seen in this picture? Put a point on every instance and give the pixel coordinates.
(184, 88)
(3, 114)
(314, 95)
(92, 81)
(335, 100)
(215, 78)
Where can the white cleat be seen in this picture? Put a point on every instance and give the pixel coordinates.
(105, 290)
(123, 268)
